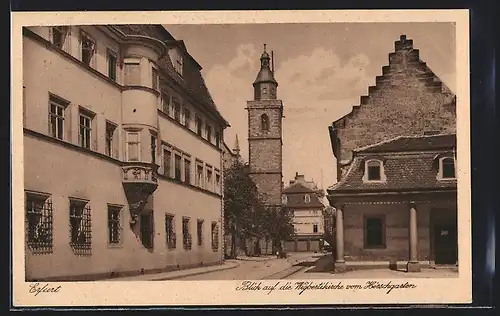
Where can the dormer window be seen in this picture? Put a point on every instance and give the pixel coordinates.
(59, 35)
(88, 49)
(374, 171)
(284, 199)
(307, 198)
(447, 168)
(177, 60)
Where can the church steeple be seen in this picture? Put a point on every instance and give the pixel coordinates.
(236, 148)
(265, 85)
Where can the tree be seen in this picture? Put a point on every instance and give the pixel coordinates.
(241, 204)
(279, 225)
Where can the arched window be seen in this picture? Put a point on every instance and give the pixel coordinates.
(374, 170)
(448, 168)
(264, 122)
(307, 198)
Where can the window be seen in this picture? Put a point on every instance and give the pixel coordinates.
(177, 109)
(307, 198)
(448, 168)
(209, 133)
(186, 235)
(170, 231)
(209, 178)
(133, 145)
(153, 149)
(217, 139)
(80, 227)
(147, 230)
(215, 236)
(217, 181)
(374, 232)
(284, 199)
(199, 126)
(264, 122)
(177, 163)
(187, 118)
(154, 78)
(59, 35)
(56, 117)
(39, 223)
(165, 103)
(88, 49)
(85, 129)
(114, 225)
(199, 174)
(167, 163)
(110, 134)
(132, 72)
(374, 171)
(199, 231)
(187, 171)
(315, 228)
(111, 65)
(176, 57)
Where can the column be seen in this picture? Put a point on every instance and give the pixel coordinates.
(413, 263)
(339, 237)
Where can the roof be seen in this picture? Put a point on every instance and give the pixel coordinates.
(412, 143)
(191, 80)
(408, 170)
(295, 197)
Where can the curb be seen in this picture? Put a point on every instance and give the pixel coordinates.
(196, 273)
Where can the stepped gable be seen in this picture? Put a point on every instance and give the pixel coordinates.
(407, 99)
(191, 80)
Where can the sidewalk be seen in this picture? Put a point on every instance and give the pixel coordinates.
(261, 258)
(172, 275)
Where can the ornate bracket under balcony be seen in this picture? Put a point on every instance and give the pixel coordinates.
(139, 182)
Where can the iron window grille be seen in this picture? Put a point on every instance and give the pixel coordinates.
(170, 232)
(215, 236)
(80, 227)
(199, 231)
(114, 225)
(186, 235)
(39, 224)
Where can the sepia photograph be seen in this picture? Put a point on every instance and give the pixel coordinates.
(270, 160)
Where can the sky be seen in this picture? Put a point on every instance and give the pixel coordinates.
(322, 70)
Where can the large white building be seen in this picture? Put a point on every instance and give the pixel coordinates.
(122, 154)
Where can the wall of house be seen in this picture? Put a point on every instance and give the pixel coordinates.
(304, 219)
(407, 99)
(396, 231)
(61, 169)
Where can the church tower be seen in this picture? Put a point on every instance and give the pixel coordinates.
(265, 117)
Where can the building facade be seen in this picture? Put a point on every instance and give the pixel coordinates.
(130, 179)
(301, 197)
(391, 189)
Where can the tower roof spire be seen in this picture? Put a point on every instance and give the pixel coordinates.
(265, 73)
(236, 147)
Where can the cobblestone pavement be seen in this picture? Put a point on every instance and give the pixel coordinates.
(375, 273)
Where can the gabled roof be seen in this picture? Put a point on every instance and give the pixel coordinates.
(409, 164)
(297, 188)
(412, 143)
(295, 197)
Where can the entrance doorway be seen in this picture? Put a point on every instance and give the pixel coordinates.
(147, 229)
(445, 242)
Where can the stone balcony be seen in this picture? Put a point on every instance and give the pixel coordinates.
(139, 181)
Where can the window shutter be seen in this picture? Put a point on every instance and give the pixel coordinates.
(93, 134)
